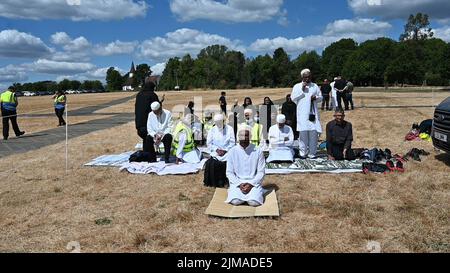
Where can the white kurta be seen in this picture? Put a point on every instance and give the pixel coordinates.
(333, 95)
(223, 139)
(161, 124)
(303, 101)
(246, 166)
(194, 156)
(279, 148)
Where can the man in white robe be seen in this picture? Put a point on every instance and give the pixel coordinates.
(245, 171)
(281, 141)
(159, 128)
(184, 144)
(333, 98)
(307, 95)
(220, 138)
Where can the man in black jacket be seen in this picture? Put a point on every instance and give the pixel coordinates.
(339, 138)
(142, 108)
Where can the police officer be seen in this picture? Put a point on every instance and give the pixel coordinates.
(9, 105)
(60, 106)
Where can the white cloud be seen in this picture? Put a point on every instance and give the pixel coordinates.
(358, 29)
(63, 9)
(442, 33)
(401, 9)
(15, 44)
(115, 48)
(53, 67)
(181, 42)
(158, 69)
(12, 73)
(94, 74)
(356, 26)
(227, 11)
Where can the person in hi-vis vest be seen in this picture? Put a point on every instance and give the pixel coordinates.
(9, 103)
(183, 144)
(60, 106)
(252, 121)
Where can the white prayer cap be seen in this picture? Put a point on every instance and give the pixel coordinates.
(155, 106)
(248, 111)
(218, 117)
(305, 71)
(243, 128)
(281, 119)
(335, 78)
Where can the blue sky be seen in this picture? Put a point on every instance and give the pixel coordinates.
(80, 39)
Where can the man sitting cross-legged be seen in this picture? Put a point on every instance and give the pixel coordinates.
(245, 171)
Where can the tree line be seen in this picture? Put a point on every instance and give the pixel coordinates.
(63, 85)
(416, 59)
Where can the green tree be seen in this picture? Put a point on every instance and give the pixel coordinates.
(281, 68)
(367, 64)
(310, 60)
(64, 85)
(114, 80)
(406, 67)
(142, 71)
(335, 56)
(417, 28)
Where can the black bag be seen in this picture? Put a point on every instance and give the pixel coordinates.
(312, 114)
(140, 156)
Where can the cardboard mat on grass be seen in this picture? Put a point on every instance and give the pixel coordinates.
(219, 208)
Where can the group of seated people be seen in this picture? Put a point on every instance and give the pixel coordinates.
(239, 163)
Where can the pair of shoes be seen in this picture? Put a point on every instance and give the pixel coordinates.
(21, 134)
(397, 167)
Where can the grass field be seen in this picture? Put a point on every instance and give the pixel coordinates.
(43, 208)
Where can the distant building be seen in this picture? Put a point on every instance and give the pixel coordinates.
(128, 86)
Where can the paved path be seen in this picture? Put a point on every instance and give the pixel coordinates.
(30, 142)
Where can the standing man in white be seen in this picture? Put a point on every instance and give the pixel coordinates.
(333, 95)
(245, 171)
(307, 95)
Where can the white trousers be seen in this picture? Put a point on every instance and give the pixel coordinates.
(308, 143)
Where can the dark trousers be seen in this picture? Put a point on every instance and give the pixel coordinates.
(326, 102)
(224, 109)
(341, 100)
(337, 151)
(7, 116)
(215, 173)
(142, 133)
(60, 113)
(349, 99)
(150, 147)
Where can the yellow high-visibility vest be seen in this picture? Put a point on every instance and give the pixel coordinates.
(60, 102)
(256, 133)
(9, 101)
(189, 144)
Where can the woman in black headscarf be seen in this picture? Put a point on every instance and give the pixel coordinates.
(266, 110)
(289, 109)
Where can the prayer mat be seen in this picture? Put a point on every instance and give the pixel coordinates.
(315, 166)
(219, 208)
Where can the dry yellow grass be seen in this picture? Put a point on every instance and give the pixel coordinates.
(42, 208)
(31, 109)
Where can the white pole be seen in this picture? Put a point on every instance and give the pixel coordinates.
(67, 141)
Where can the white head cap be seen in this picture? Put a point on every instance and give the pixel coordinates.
(281, 119)
(155, 106)
(242, 129)
(218, 117)
(336, 78)
(248, 111)
(305, 72)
